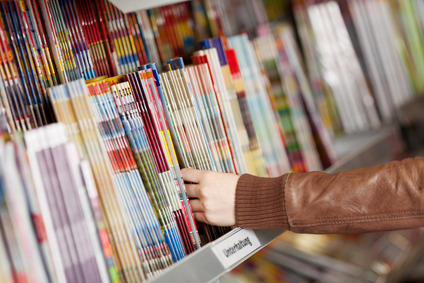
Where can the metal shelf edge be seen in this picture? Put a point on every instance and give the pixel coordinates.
(204, 266)
(128, 6)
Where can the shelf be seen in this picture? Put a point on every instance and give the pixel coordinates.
(408, 265)
(204, 266)
(128, 6)
(363, 150)
(367, 149)
(314, 258)
(317, 267)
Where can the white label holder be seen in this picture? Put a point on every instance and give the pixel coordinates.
(236, 247)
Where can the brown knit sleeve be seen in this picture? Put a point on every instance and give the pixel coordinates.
(260, 202)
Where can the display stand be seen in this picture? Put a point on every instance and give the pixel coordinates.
(206, 264)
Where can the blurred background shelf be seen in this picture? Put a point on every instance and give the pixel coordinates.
(317, 267)
(395, 256)
(367, 149)
(409, 267)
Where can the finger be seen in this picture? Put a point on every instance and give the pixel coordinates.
(200, 216)
(192, 190)
(196, 205)
(191, 175)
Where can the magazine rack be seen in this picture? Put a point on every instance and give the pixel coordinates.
(206, 264)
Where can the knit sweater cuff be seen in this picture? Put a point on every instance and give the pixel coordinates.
(260, 202)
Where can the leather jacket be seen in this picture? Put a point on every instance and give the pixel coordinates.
(379, 198)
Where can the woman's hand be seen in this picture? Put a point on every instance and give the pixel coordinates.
(215, 193)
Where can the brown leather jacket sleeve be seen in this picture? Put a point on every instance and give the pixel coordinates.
(379, 198)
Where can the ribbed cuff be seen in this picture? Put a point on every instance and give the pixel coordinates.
(260, 202)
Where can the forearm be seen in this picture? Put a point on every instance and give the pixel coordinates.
(385, 197)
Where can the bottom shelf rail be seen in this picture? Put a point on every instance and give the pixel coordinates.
(220, 256)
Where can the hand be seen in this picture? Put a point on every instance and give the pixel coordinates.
(215, 193)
